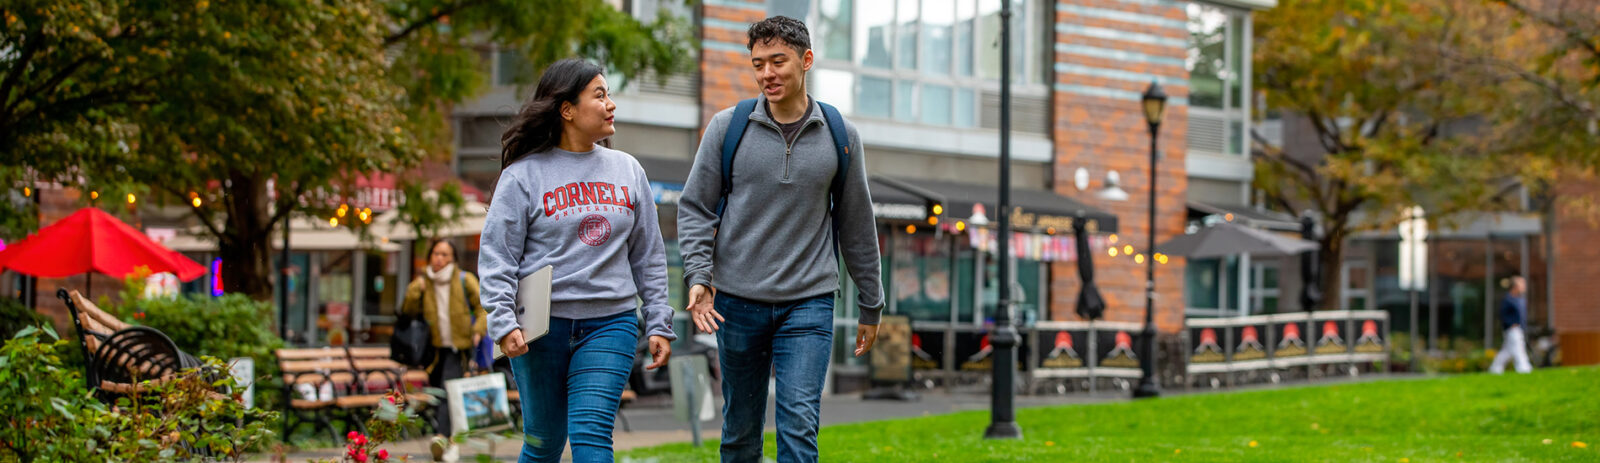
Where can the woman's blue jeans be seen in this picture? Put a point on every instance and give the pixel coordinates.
(571, 383)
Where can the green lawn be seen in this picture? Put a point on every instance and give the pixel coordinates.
(1458, 418)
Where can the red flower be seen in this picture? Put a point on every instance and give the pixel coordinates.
(352, 435)
(361, 457)
(383, 454)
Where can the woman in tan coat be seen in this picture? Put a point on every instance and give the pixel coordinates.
(447, 298)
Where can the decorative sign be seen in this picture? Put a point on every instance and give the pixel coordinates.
(478, 403)
(1290, 343)
(927, 350)
(974, 352)
(891, 356)
(1206, 346)
(1117, 350)
(1250, 343)
(1063, 349)
(1329, 342)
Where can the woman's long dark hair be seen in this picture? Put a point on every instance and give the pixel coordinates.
(538, 126)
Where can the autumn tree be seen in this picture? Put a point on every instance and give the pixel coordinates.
(248, 112)
(1400, 110)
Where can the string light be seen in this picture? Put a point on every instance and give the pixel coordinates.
(938, 209)
(1112, 251)
(26, 192)
(1050, 231)
(911, 229)
(342, 209)
(1228, 217)
(961, 226)
(334, 221)
(1127, 249)
(195, 201)
(132, 199)
(94, 195)
(1138, 259)
(933, 220)
(1113, 238)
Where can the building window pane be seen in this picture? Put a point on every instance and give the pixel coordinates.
(922, 277)
(906, 35)
(1237, 58)
(834, 87)
(511, 68)
(874, 31)
(1019, 41)
(938, 19)
(1202, 283)
(905, 100)
(873, 98)
(966, 108)
(1235, 136)
(833, 29)
(965, 28)
(1207, 58)
(936, 105)
(796, 9)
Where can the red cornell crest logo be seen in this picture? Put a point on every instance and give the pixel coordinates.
(594, 230)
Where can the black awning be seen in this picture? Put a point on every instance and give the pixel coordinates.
(1250, 216)
(1032, 209)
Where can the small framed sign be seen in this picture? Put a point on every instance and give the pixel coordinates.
(478, 403)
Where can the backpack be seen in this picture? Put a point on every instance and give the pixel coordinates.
(841, 144)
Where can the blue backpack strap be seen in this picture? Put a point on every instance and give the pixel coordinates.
(730, 144)
(841, 145)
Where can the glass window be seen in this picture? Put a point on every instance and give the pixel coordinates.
(904, 100)
(966, 108)
(989, 39)
(966, 283)
(1202, 283)
(835, 87)
(936, 105)
(965, 28)
(905, 43)
(874, 32)
(792, 8)
(512, 68)
(1207, 55)
(921, 275)
(874, 97)
(833, 30)
(938, 18)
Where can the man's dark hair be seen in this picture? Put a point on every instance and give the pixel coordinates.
(785, 29)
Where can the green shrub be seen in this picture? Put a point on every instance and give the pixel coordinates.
(224, 327)
(47, 413)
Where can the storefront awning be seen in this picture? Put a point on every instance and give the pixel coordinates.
(1032, 209)
(1249, 216)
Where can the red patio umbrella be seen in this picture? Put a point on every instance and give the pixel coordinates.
(91, 240)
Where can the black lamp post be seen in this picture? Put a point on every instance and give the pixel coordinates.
(1002, 412)
(1155, 103)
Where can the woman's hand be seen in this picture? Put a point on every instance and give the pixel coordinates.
(660, 351)
(513, 345)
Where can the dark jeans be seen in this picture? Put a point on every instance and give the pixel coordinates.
(571, 382)
(794, 338)
(448, 364)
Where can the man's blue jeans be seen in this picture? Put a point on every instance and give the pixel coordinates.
(571, 383)
(793, 338)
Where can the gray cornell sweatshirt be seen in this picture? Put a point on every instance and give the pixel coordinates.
(590, 215)
(774, 241)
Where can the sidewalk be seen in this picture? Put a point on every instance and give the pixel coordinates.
(652, 423)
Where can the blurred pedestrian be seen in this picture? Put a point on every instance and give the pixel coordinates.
(447, 298)
(1514, 319)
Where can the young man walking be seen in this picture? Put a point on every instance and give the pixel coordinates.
(778, 189)
(1513, 317)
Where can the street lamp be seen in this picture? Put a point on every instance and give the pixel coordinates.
(1155, 103)
(1002, 412)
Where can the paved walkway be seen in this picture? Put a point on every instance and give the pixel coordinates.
(652, 423)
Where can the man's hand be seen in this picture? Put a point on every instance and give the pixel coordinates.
(702, 310)
(866, 336)
(660, 350)
(476, 338)
(513, 345)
